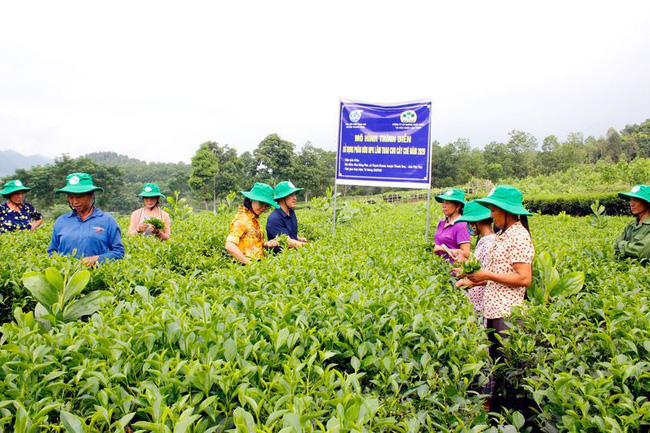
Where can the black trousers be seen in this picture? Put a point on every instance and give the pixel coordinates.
(495, 327)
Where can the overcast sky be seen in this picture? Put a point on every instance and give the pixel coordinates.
(155, 79)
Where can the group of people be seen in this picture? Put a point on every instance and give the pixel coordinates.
(505, 251)
(245, 241)
(94, 236)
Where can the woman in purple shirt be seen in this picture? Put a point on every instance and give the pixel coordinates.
(451, 233)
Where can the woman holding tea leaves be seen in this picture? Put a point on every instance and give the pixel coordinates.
(451, 233)
(150, 219)
(479, 224)
(508, 271)
(245, 241)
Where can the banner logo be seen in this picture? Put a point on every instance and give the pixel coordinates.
(408, 116)
(355, 115)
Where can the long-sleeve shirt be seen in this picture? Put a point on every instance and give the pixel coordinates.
(99, 235)
(635, 241)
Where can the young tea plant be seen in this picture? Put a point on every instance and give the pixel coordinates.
(598, 218)
(57, 294)
(547, 282)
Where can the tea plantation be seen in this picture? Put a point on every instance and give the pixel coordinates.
(362, 332)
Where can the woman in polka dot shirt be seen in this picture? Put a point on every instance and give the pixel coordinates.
(508, 270)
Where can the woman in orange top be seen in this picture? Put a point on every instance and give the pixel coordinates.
(245, 241)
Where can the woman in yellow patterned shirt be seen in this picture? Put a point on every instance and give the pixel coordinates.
(245, 241)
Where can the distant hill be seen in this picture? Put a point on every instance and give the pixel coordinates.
(171, 176)
(10, 161)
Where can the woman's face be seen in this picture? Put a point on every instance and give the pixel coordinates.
(449, 207)
(638, 207)
(259, 207)
(150, 202)
(81, 202)
(498, 216)
(17, 197)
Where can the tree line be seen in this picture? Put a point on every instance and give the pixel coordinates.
(216, 169)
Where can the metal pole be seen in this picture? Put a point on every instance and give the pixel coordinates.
(334, 216)
(426, 236)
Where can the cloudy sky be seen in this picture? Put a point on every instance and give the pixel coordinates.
(154, 79)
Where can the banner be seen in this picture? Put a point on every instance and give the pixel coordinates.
(384, 145)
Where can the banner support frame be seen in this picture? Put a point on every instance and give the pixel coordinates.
(426, 235)
(334, 215)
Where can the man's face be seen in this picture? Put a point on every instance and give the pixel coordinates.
(290, 200)
(80, 202)
(638, 207)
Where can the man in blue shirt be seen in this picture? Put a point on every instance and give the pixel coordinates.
(283, 220)
(86, 232)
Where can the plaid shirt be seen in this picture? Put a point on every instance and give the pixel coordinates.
(246, 233)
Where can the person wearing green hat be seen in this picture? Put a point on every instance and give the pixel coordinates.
(16, 213)
(283, 220)
(634, 242)
(479, 221)
(245, 241)
(140, 218)
(508, 271)
(86, 232)
(451, 235)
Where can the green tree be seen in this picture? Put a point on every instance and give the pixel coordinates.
(636, 139)
(522, 147)
(275, 159)
(314, 170)
(45, 179)
(203, 178)
(498, 160)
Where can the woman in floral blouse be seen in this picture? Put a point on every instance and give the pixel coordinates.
(16, 213)
(508, 271)
(245, 241)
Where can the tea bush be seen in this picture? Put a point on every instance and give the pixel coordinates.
(362, 332)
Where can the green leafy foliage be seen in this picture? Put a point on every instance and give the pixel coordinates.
(471, 265)
(355, 333)
(548, 283)
(157, 223)
(58, 293)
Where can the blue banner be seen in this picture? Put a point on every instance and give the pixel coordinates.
(384, 145)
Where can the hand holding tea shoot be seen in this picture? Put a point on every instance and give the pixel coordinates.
(156, 223)
(471, 265)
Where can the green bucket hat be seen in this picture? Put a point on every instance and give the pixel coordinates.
(505, 197)
(151, 190)
(284, 189)
(261, 192)
(79, 183)
(474, 212)
(452, 194)
(13, 186)
(638, 191)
